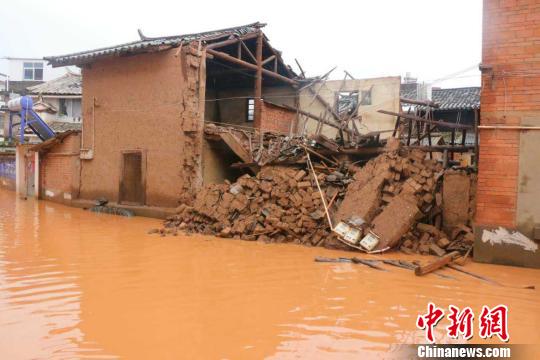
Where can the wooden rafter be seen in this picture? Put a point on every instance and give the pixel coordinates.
(245, 64)
(233, 41)
(258, 81)
(244, 46)
(268, 59)
(422, 120)
(278, 55)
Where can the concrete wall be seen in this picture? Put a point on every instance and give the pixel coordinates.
(508, 176)
(152, 103)
(59, 171)
(384, 95)
(14, 68)
(73, 107)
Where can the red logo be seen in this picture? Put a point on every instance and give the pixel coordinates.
(430, 320)
(461, 322)
(492, 322)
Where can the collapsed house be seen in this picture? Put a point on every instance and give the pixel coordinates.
(151, 107)
(216, 127)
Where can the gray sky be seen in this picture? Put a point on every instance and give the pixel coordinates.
(432, 39)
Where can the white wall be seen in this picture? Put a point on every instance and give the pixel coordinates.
(73, 107)
(384, 95)
(14, 68)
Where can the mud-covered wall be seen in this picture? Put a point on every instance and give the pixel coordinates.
(149, 102)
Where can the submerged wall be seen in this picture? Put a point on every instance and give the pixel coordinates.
(60, 169)
(148, 103)
(7, 171)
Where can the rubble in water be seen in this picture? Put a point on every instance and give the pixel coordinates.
(398, 196)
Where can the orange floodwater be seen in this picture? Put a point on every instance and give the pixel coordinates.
(75, 284)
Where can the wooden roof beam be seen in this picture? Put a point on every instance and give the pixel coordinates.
(445, 124)
(245, 64)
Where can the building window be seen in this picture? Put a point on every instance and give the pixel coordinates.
(62, 107)
(347, 102)
(33, 70)
(366, 97)
(250, 110)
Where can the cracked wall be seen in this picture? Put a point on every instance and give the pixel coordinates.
(152, 103)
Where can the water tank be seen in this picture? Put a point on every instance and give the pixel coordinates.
(23, 102)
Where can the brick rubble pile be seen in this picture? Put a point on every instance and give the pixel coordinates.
(397, 196)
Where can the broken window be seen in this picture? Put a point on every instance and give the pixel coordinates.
(33, 71)
(250, 110)
(347, 102)
(366, 97)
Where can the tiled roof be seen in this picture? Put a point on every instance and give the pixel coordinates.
(147, 43)
(68, 84)
(62, 126)
(409, 91)
(465, 98)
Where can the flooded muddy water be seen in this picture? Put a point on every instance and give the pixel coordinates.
(75, 284)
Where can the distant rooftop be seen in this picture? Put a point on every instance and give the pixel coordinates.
(465, 98)
(68, 84)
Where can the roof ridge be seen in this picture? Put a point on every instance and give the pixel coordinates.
(149, 40)
(256, 24)
(458, 88)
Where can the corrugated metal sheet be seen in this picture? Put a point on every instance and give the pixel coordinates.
(148, 43)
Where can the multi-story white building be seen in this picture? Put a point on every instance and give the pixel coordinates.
(19, 73)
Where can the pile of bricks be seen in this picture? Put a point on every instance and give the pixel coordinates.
(397, 196)
(428, 239)
(391, 193)
(280, 204)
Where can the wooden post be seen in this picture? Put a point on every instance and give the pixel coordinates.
(437, 264)
(258, 82)
(476, 150)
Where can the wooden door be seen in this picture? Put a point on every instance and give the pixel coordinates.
(132, 189)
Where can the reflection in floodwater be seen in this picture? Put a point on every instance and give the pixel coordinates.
(75, 284)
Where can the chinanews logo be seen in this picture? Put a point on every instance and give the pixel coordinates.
(491, 322)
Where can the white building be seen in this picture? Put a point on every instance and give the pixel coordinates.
(20, 73)
(59, 101)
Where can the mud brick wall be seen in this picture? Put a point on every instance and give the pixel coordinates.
(152, 103)
(59, 170)
(507, 179)
(276, 118)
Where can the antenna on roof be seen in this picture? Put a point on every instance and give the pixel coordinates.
(141, 35)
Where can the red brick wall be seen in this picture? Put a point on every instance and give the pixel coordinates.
(510, 90)
(276, 118)
(59, 170)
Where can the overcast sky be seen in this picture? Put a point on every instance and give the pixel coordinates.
(431, 39)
